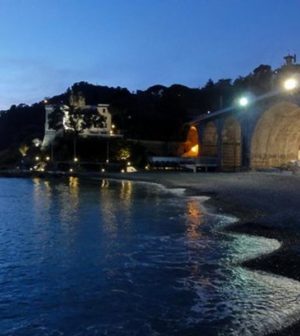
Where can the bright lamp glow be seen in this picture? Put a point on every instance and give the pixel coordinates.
(195, 149)
(290, 84)
(243, 101)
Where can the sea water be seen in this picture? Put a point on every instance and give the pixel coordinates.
(126, 258)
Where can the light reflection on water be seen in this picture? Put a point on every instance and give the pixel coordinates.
(124, 258)
(194, 218)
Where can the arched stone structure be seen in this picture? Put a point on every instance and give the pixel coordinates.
(276, 137)
(209, 140)
(231, 144)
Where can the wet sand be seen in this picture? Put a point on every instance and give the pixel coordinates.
(267, 204)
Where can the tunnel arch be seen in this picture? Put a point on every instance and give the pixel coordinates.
(191, 145)
(276, 137)
(209, 140)
(231, 144)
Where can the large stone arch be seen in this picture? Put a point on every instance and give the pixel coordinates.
(209, 140)
(276, 137)
(231, 144)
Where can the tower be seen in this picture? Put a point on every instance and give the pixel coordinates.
(290, 59)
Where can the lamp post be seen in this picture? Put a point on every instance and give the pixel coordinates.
(290, 84)
(107, 151)
(52, 151)
(244, 102)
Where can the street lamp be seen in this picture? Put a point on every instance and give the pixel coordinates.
(37, 142)
(107, 151)
(243, 101)
(290, 84)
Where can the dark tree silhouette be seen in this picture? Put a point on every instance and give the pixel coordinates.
(79, 120)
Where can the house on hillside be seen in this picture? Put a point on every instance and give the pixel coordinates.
(63, 122)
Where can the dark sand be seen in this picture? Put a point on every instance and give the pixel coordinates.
(267, 204)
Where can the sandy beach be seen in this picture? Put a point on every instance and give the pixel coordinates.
(267, 204)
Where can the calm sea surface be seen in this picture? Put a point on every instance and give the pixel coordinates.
(125, 258)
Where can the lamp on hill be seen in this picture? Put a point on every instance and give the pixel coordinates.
(290, 84)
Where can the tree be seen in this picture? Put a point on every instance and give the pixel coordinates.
(262, 78)
(78, 120)
(55, 118)
(20, 124)
(55, 121)
(23, 149)
(75, 121)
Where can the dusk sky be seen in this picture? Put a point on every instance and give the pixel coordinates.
(46, 45)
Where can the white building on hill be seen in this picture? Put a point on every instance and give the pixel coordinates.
(63, 125)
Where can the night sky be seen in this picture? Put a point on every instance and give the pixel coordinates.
(47, 45)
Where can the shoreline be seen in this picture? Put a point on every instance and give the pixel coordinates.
(248, 223)
(253, 219)
(265, 204)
